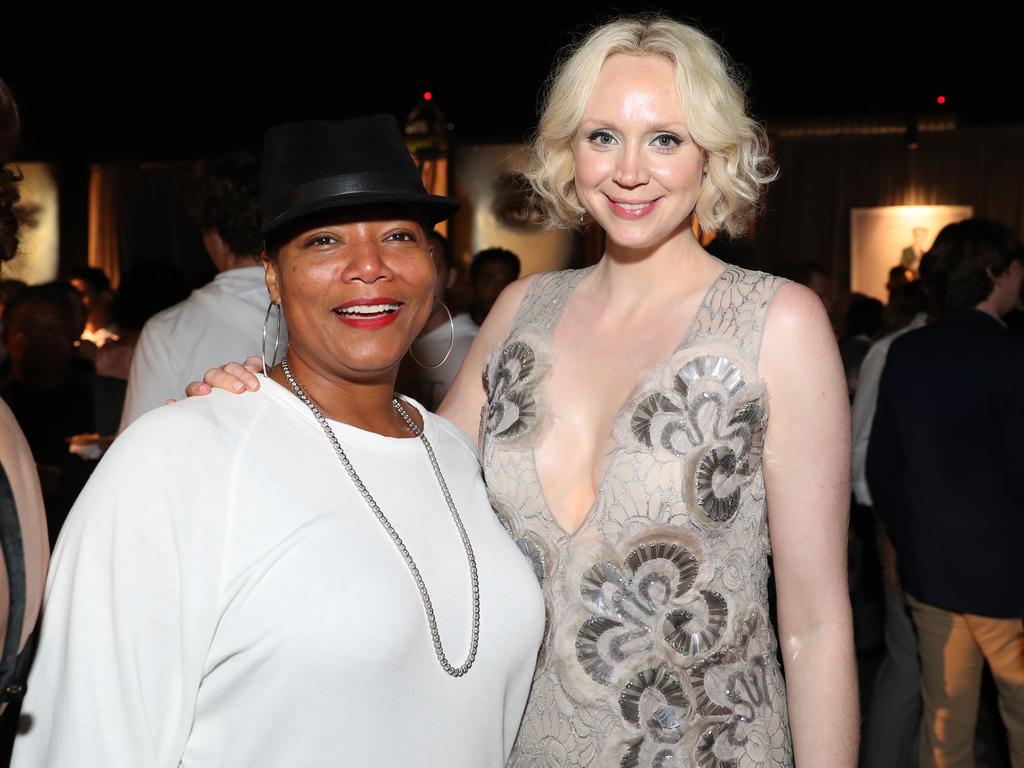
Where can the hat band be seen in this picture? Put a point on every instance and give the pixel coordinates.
(341, 186)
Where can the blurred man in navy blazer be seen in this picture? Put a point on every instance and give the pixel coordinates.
(946, 471)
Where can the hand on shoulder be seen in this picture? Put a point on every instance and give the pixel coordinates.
(230, 377)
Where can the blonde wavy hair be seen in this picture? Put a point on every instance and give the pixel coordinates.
(713, 104)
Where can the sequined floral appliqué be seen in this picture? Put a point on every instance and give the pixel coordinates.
(712, 418)
(650, 599)
(739, 696)
(656, 641)
(510, 381)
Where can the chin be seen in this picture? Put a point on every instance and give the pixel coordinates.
(643, 235)
(635, 238)
(372, 371)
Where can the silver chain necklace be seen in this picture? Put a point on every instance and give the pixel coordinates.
(413, 568)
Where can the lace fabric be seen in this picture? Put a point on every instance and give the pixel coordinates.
(658, 647)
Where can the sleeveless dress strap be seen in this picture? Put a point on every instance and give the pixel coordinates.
(544, 301)
(736, 309)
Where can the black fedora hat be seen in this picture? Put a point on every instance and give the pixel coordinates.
(315, 166)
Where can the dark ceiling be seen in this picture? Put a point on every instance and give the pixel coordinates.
(175, 84)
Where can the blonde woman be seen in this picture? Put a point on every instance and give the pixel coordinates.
(625, 437)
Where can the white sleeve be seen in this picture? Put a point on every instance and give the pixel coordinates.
(864, 403)
(148, 382)
(130, 610)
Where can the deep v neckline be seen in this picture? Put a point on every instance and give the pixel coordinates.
(643, 375)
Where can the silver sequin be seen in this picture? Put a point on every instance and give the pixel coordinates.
(665, 700)
(717, 467)
(690, 635)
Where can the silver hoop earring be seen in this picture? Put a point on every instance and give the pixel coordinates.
(451, 343)
(277, 338)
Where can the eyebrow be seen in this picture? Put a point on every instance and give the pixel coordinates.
(652, 128)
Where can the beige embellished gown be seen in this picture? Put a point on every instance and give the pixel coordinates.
(659, 650)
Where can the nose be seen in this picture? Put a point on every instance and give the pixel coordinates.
(368, 263)
(630, 168)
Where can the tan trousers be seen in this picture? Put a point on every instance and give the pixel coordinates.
(953, 648)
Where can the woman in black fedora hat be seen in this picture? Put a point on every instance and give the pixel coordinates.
(312, 575)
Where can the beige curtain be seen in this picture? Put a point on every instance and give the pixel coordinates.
(104, 240)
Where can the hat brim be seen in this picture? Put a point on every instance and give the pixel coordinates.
(436, 207)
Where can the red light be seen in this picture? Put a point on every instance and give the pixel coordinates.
(428, 96)
(941, 99)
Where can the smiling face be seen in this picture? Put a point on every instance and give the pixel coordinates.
(356, 287)
(638, 171)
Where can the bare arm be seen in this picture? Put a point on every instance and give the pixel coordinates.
(466, 396)
(807, 479)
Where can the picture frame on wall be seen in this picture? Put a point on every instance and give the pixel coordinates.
(894, 235)
(497, 211)
(38, 258)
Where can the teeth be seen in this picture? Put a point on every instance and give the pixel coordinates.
(370, 309)
(634, 206)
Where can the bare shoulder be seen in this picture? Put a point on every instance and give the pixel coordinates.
(794, 308)
(798, 334)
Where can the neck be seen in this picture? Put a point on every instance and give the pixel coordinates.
(238, 262)
(626, 278)
(364, 404)
(995, 304)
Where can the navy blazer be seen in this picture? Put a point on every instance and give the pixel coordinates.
(945, 463)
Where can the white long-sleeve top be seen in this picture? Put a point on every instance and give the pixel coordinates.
(222, 596)
(865, 402)
(219, 323)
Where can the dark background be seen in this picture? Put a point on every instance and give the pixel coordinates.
(180, 83)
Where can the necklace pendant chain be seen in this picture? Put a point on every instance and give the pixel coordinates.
(428, 607)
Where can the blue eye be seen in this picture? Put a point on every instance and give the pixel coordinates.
(601, 138)
(667, 141)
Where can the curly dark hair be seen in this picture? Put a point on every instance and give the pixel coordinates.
(964, 255)
(10, 132)
(224, 197)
